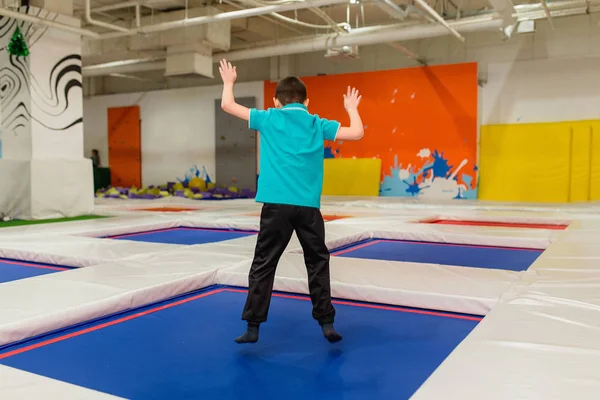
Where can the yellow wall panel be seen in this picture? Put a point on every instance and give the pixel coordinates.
(595, 162)
(351, 177)
(525, 162)
(580, 160)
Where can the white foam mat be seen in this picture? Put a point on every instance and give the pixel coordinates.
(20, 385)
(438, 287)
(537, 340)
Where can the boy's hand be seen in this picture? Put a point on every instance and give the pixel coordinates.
(352, 99)
(228, 72)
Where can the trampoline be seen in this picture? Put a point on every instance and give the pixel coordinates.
(505, 258)
(183, 348)
(185, 236)
(496, 224)
(12, 270)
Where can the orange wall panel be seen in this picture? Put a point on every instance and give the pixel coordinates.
(125, 146)
(421, 122)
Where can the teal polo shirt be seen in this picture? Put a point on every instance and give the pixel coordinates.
(292, 144)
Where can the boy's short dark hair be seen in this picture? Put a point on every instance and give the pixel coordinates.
(290, 90)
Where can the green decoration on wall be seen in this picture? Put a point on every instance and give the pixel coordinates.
(17, 45)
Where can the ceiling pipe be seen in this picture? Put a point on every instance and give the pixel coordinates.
(439, 19)
(547, 11)
(46, 22)
(360, 36)
(393, 33)
(357, 37)
(124, 67)
(207, 19)
(332, 24)
(91, 21)
(113, 7)
(392, 9)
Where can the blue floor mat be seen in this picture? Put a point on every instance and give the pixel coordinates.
(186, 351)
(443, 254)
(12, 270)
(187, 236)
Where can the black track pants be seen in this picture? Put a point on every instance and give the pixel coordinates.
(277, 223)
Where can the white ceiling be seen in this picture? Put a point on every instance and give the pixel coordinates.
(262, 33)
(268, 27)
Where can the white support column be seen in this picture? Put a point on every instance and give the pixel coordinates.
(286, 66)
(274, 68)
(281, 67)
(43, 172)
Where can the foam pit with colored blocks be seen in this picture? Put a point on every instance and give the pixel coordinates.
(351, 177)
(196, 189)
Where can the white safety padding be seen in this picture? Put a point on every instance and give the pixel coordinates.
(399, 228)
(15, 188)
(574, 249)
(563, 285)
(242, 247)
(100, 227)
(61, 188)
(222, 220)
(73, 251)
(431, 286)
(34, 306)
(529, 349)
(539, 342)
(46, 188)
(22, 385)
(505, 216)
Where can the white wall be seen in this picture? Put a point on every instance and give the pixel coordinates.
(548, 90)
(178, 128)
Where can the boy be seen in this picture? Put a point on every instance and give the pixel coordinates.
(290, 185)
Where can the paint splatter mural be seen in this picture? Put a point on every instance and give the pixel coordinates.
(421, 122)
(433, 179)
(195, 172)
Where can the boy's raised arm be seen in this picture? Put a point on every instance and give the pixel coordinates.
(356, 130)
(228, 104)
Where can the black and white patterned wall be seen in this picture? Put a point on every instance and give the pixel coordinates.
(41, 94)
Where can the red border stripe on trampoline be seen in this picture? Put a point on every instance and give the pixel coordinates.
(210, 293)
(24, 264)
(496, 224)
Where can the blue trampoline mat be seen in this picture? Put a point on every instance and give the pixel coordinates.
(12, 270)
(184, 349)
(442, 253)
(188, 236)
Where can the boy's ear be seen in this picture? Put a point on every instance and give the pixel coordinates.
(276, 102)
(306, 103)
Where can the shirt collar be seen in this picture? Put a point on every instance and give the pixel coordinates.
(295, 106)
